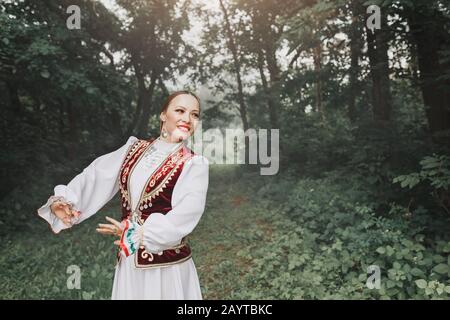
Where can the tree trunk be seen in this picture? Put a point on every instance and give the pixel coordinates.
(146, 106)
(274, 72)
(237, 68)
(430, 38)
(355, 49)
(270, 104)
(317, 55)
(377, 43)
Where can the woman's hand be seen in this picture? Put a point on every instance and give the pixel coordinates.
(64, 212)
(114, 229)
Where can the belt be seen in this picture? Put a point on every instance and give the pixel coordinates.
(144, 259)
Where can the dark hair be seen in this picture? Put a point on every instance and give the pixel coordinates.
(170, 98)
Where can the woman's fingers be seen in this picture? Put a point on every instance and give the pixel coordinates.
(64, 212)
(67, 209)
(61, 215)
(115, 222)
(115, 231)
(66, 221)
(76, 213)
(105, 231)
(117, 242)
(107, 226)
(115, 228)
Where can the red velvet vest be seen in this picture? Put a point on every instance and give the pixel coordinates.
(156, 197)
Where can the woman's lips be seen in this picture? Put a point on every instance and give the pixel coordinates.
(184, 128)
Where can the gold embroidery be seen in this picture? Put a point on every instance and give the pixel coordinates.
(126, 173)
(153, 178)
(128, 154)
(147, 255)
(137, 265)
(155, 192)
(168, 168)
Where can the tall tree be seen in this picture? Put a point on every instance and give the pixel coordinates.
(377, 51)
(431, 37)
(155, 50)
(236, 65)
(355, 37)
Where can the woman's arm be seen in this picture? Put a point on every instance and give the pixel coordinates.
(159, 231)
(90, 190)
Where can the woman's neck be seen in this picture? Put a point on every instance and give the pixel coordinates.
(168, 140)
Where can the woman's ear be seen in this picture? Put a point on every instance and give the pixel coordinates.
(162, 116)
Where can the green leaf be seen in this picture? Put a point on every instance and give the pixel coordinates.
(441, 268)
(381, 250)
(389, 251)
(390, 284)
(421, 283)
(86, 295)
(45, 74)
(416, 272)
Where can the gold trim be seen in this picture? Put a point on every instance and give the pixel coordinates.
(162, 185)
(146, 255)
(131, 148)
(131, 171)
(141, 199)
(159, 265)
(182, 244)
(130, 153)
(156, 190)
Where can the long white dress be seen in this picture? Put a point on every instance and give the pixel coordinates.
(90, 190)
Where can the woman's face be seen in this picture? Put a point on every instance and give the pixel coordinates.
(181, 117)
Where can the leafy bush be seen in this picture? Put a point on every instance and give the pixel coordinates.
(325, 239)
(435, 173)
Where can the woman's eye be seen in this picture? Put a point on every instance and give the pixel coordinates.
(180, 110)
(195, 115)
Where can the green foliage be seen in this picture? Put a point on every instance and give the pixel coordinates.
(35, 264)
(326, 236)
(342, 201)
(435, 172)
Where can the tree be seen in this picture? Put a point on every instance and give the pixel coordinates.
(429, 22)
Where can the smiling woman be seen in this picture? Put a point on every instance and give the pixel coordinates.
(179, 116)
(163, 186)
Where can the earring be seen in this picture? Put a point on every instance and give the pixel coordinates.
(164, 133)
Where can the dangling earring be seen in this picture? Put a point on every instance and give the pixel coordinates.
(164, 133)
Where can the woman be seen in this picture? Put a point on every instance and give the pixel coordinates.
(163, 187)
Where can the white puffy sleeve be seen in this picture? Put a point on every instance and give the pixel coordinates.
(91, 189)
(162, 231)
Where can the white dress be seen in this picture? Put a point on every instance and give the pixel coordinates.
(90, 190)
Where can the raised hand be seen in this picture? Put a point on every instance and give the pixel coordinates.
(64, 212)
(115, 228)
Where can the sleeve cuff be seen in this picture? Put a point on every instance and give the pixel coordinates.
(130, 238)
(45, 212)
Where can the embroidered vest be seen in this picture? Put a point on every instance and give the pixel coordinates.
(155, 197)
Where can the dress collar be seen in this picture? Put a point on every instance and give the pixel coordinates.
(166, 146)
